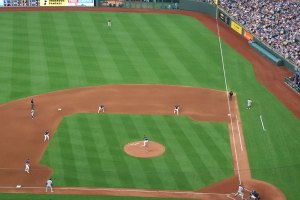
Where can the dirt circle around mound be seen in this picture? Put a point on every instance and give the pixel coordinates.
(137, 149)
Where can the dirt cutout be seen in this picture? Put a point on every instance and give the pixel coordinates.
(197, 103)
(137, 149)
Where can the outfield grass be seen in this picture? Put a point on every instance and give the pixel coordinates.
(87, 150)
(71, 197)
(48, 51)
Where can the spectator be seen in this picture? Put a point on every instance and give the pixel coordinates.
(274, 22)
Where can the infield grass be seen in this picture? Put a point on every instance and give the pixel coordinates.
(87, 150)
(48, 51)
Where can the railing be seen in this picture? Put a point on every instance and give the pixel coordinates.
(292, 84)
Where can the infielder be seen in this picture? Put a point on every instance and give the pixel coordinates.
(146, 140)
(49, 185)
(109, 23)
(176, 110)
(46, 135)
(32, 113)
(230, 95)
(27, 166)
(240, 191)
(249, 103)
(32, 104)
(101, 109)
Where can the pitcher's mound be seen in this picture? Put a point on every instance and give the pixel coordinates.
(137, 149)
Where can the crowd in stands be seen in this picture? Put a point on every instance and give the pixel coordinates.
(276, 23)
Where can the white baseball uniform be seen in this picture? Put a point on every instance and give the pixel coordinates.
(49, 185)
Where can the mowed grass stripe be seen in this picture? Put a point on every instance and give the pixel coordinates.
(86, 55)
(115, 148)
(6, 55)
(67, 155)
(151, 52)
(121, 58)
(211, 144)
(177, 57)
(105, 58)
(193, 159)
(39, 75)
(20, 70)
(57, 72)
(132, 39)
(175, 167)
(75, 68)
(137, 129)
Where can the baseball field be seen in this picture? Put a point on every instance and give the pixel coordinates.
(139, 69)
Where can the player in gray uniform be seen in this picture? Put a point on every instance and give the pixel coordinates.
(27, 166)
(240, 191)
(49, 185)
(176, 110)
(101, 109)
(46, 135)
(32, 113)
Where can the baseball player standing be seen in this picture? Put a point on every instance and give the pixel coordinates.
(230, 95)
(109, 23)
(249, 103)
(49, 185)
(146, 140)
(240, 191)
(101, 109)
(32, 113)
(176, 110)
(32, 104)
(46, 135)
(27, 166)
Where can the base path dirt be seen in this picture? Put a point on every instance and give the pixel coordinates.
(22, 136)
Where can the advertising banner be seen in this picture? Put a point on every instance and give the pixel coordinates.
(72, 2)
(86, 3)
(248, 36)
(224, 17)
(53, 2)
(1, 3)
(236, 27)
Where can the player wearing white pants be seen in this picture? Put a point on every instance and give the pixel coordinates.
(49, 185)
(109, 23)
(249, 103)
(27, 166)
(240, 191)
(176, 110)
(46, 136)
(146, 140)
(32, 113)
(101, 109)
